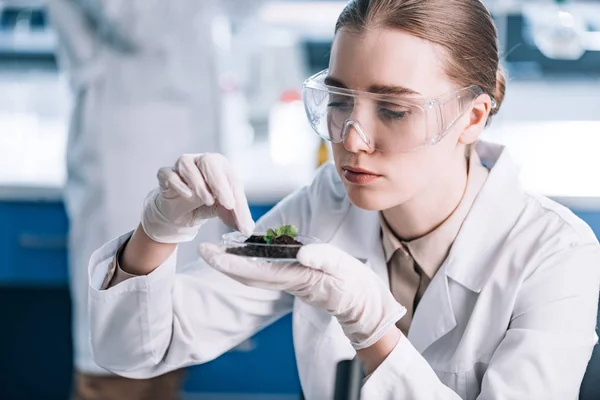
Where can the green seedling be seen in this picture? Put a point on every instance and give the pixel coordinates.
(284, 230)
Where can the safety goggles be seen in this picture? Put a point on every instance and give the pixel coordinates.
(387, 123)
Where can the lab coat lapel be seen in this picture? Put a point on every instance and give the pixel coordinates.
(470, 261)
(434, 316)
(490, 221)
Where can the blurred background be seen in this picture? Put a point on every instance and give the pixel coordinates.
(550, 120)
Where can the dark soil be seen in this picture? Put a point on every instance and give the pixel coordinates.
(268, 251)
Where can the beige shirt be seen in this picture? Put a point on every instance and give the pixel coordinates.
(412, 265)
(115, 274)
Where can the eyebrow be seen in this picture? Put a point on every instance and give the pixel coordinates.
(377, 89)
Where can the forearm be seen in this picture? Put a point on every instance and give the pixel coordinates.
(143, 255)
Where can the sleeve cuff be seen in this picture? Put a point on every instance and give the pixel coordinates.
(115, 274)
(103, 271)
(405, 374)
(391, 370)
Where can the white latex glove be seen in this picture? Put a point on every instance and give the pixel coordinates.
(326, 277)
(199, 187)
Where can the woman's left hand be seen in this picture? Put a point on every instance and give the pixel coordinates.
(326, 277)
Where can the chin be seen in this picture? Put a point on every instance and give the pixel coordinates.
(371, 200)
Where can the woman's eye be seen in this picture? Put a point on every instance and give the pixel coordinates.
(393, 114)
(339, 104)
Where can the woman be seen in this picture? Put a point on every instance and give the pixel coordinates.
(472, 288)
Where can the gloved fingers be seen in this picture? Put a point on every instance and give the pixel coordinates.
(168, 179)
(254, 273)
(239, 218)
(327, 258)
(241, 212)
(228, 217)
(215, 168)
(188, 171)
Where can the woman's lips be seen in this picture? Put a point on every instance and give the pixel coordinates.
(359, 176)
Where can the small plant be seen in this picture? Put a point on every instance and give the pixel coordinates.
(276, 243)
(284, 230)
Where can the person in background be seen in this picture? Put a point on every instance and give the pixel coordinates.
(145, 90)
(446, 277)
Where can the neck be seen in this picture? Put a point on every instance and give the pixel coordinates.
(425, 212)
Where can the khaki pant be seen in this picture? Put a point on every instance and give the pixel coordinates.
(93, 387)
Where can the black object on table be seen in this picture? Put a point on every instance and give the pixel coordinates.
(348, 379)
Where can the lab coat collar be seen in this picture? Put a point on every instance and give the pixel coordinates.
(492, 216)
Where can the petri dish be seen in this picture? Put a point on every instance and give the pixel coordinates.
(235, 243)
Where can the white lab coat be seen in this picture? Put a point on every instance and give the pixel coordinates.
(145, 91)
(511, 313)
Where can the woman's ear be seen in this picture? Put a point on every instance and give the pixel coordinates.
(477, 119)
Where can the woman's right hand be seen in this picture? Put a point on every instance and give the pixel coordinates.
(197, 188)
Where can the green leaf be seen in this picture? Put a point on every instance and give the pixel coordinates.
(271, 234)
(287, 230)
(284, 230)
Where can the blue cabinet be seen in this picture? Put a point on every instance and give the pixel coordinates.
(33, 243)
(264, 364)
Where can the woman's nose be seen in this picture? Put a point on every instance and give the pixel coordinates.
(355, 139)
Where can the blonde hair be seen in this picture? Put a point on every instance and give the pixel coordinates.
(463, 28)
